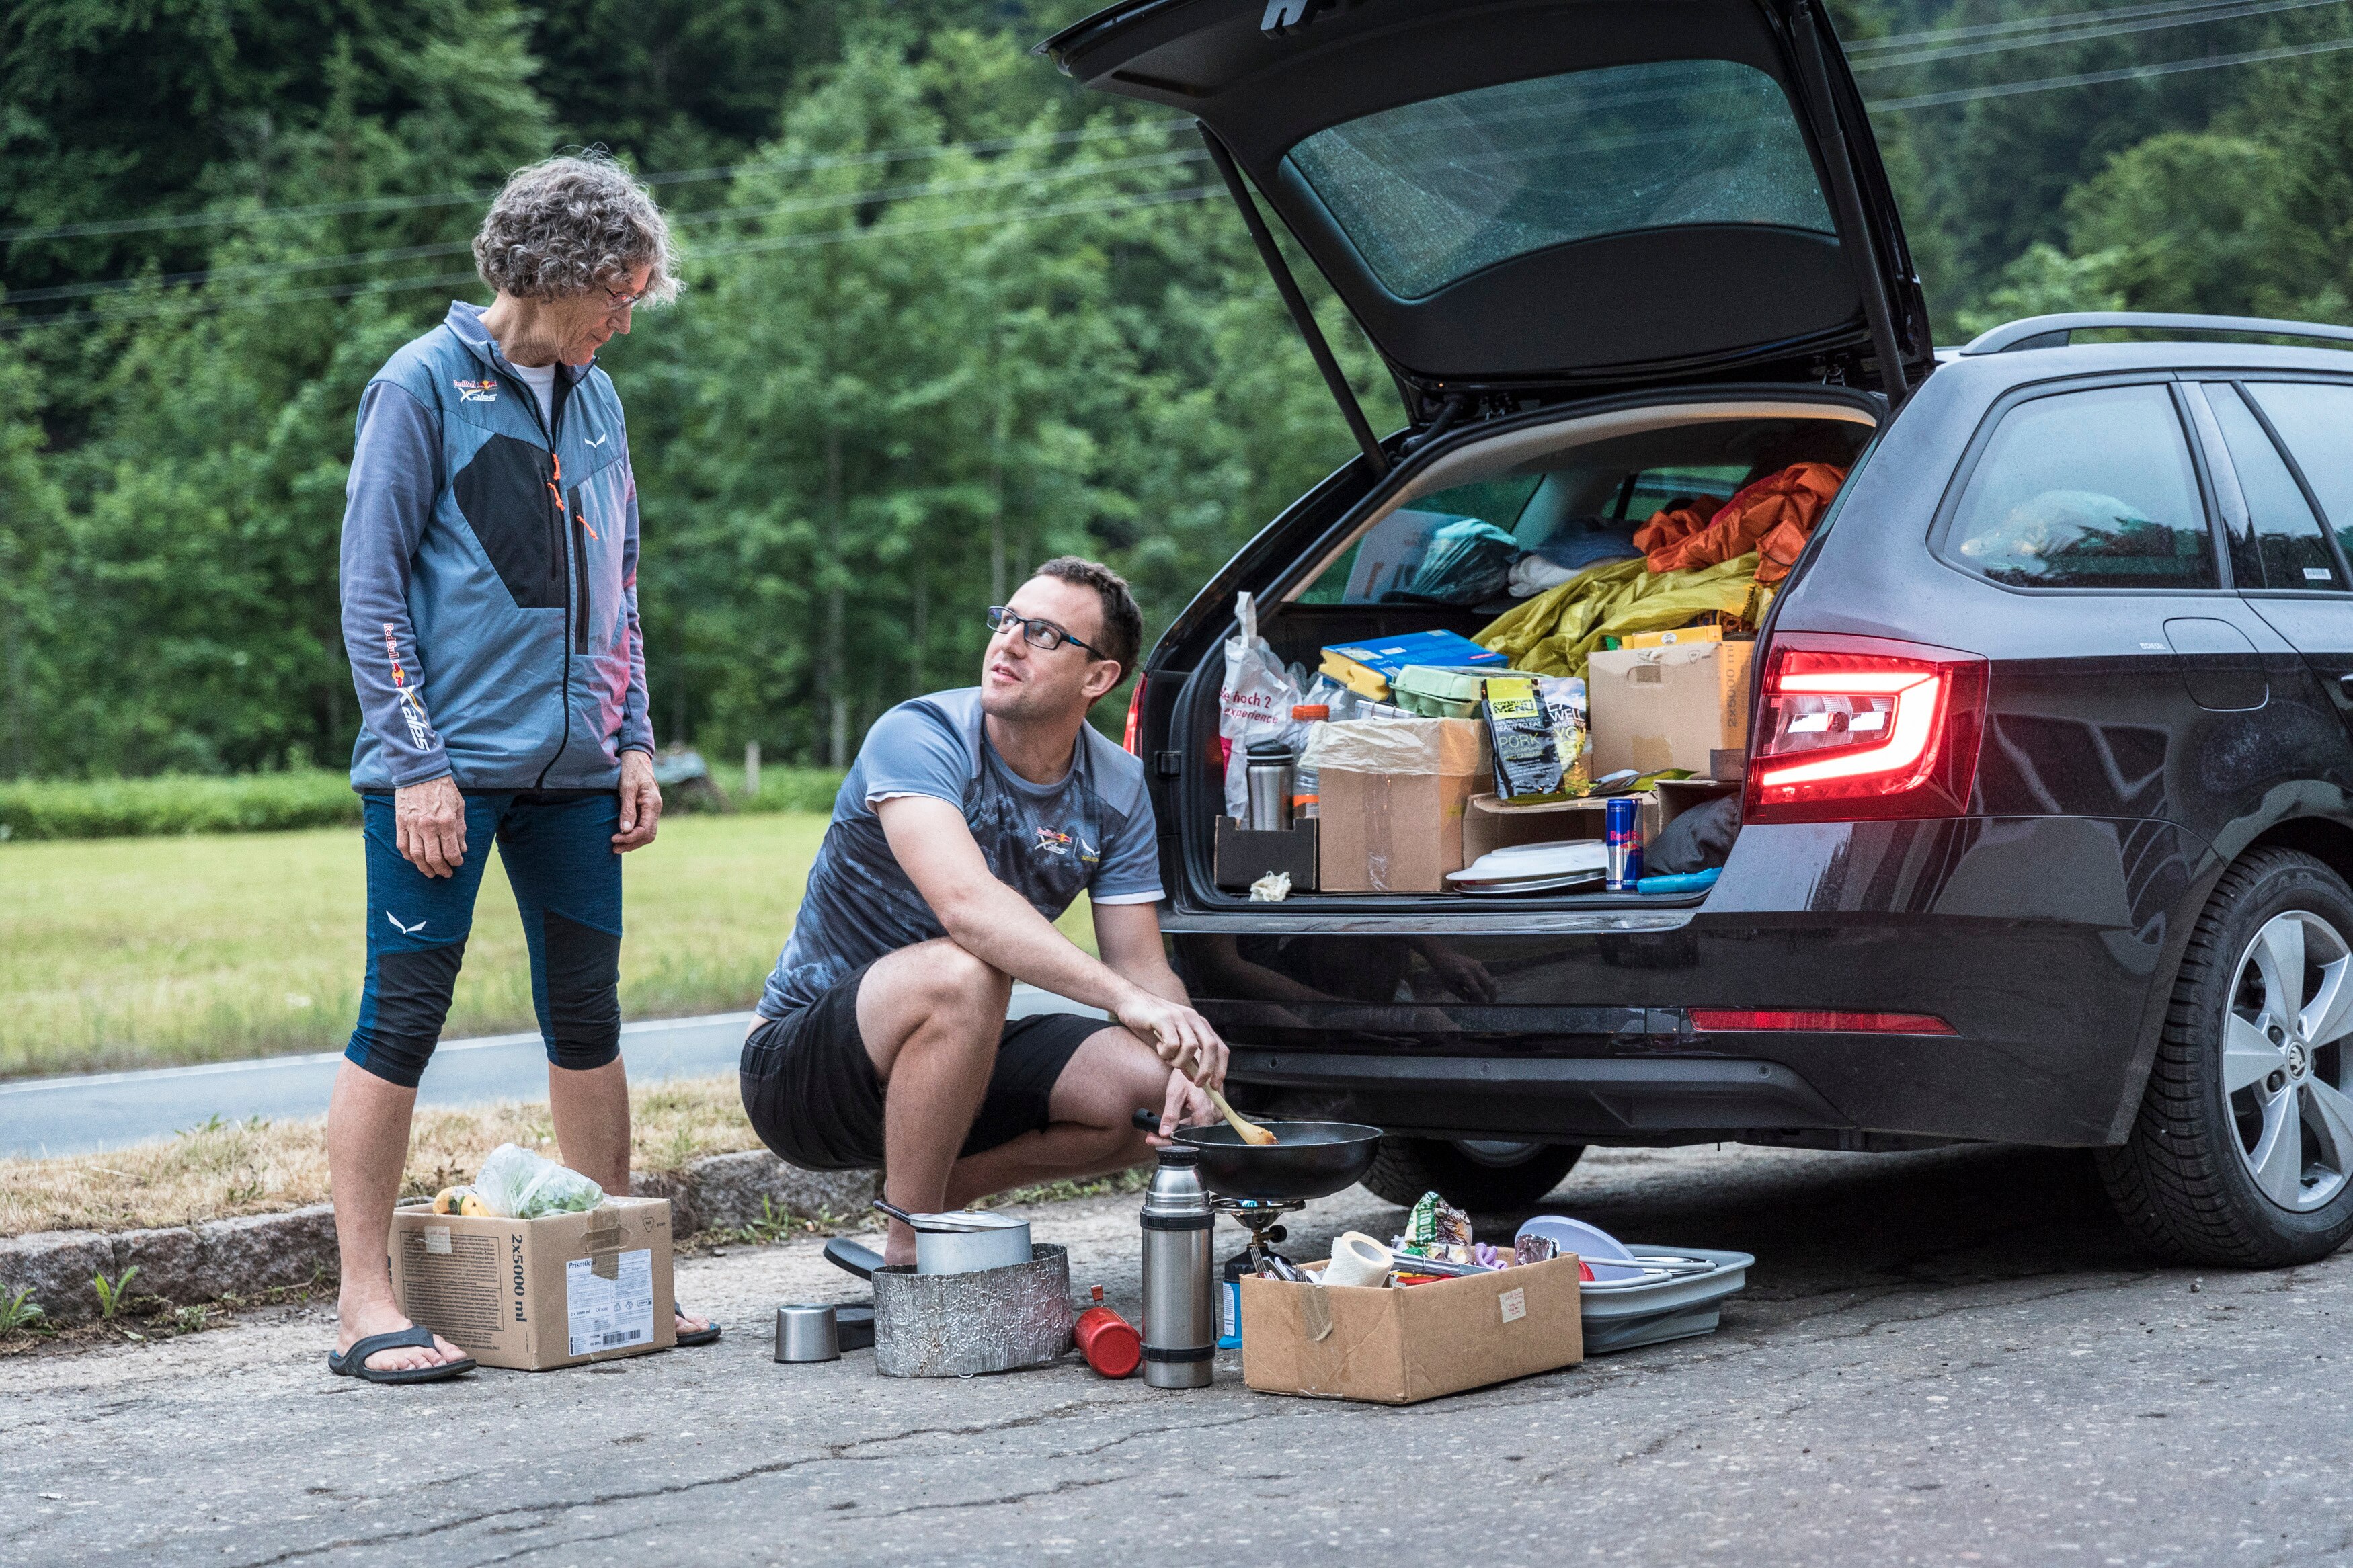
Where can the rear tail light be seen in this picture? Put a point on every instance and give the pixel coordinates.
(1134, 740)
(1740, 1020)
(1858, 728)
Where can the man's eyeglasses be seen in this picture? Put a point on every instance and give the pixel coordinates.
(1036, 633)
(614, 303)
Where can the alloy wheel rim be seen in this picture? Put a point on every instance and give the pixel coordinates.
(2286, 1077)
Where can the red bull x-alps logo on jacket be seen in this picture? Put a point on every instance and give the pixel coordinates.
(490, 562)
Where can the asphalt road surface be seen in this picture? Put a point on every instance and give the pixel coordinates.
(73, 1115)
(1946, 1357)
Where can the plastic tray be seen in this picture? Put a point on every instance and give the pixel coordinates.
(1620, 1317)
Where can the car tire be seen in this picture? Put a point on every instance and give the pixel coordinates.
(1407, 1167)
(2191, 1179)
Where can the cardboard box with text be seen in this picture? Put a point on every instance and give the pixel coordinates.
(539, 1293)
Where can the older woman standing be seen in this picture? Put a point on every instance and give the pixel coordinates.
(489, 611)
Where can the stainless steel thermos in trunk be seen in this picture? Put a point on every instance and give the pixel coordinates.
(1180, 1306)
(1270, 769)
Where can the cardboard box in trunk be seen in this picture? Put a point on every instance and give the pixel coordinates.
(1488, 824)
(1391, 794)
(539, 1293)
(1400, 1345)
(1668, 707)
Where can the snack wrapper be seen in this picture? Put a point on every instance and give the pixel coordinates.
(1530, 1247)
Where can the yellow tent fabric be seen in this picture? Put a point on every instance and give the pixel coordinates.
(1552, 632)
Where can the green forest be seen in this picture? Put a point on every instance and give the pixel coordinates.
(946, 315)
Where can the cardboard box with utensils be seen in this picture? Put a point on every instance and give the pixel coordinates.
(538, 1293)
(1400, 1345)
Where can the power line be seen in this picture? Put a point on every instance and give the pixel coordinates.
(2094, 79)
(259, 271)
(2053, 37)
(2030, 25)
(668, 177)
(778, 242)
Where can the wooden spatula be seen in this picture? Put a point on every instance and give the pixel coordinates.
(1249, 1132)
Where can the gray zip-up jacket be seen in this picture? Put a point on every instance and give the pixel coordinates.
(489, 574)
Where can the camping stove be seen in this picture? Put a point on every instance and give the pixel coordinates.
(1262, 1218)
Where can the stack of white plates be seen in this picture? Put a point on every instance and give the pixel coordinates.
(1534, 867)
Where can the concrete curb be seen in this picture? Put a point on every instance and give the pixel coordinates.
(187, 1264)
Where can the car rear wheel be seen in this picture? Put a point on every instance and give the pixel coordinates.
(2243, 1147)
(1483, 1176)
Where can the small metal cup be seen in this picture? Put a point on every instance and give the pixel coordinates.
(807, 1331)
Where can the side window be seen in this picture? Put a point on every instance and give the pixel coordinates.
(2086, 490)
(1654, 488)
(2289, 548)
(2316, 420)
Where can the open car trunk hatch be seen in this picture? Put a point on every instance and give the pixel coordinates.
(1601, 193)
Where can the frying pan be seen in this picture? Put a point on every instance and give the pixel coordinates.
(1307, 1159)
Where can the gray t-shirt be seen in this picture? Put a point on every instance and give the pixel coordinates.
(1090, 831)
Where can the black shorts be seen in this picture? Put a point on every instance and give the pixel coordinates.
(813, 1097)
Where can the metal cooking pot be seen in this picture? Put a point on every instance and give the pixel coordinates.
(962, 1241)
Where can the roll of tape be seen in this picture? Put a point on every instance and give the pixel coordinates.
(1358, 1259)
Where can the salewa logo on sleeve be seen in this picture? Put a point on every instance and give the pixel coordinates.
(412, 706)
(477, 391)
(599, 441)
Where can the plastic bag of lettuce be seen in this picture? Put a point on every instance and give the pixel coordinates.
(519, 1185)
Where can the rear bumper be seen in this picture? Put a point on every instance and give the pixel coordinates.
(2049, 944)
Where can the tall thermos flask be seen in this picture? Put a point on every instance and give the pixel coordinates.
(1180, 1304)
(1270, 771)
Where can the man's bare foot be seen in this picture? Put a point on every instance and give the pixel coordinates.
(899, 1247)
(687, 1323)
(357, 1323)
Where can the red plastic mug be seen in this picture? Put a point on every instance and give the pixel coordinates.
(1109, 1341)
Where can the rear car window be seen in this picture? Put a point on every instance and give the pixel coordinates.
(2286, 547)
(2316, 420)
(2086, 490)
(1389, 557)
(1433, 192)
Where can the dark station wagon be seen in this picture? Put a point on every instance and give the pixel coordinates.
(2045, 836)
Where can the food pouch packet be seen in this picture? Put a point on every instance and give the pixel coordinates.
(1564, 699)
(1435, 1225)
(1527, 756)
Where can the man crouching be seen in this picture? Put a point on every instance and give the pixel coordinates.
(970, 821)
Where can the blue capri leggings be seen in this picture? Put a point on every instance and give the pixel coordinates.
(558, 855)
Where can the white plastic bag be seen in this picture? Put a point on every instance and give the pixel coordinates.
(1254, 704)
(519, 1185)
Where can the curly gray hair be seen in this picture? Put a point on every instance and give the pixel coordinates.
(562, 228)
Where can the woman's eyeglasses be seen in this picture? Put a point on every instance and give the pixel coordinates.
(1036, 633)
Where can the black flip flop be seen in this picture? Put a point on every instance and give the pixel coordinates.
(353, 1363)
(706, 1335)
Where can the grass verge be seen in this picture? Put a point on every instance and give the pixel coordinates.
(220, 1170)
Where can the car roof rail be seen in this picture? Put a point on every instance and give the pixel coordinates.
(2053, 332)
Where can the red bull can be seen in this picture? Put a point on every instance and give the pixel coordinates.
(1622, 826)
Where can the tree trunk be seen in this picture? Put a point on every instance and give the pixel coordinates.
(828, 666)
(919, 620)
